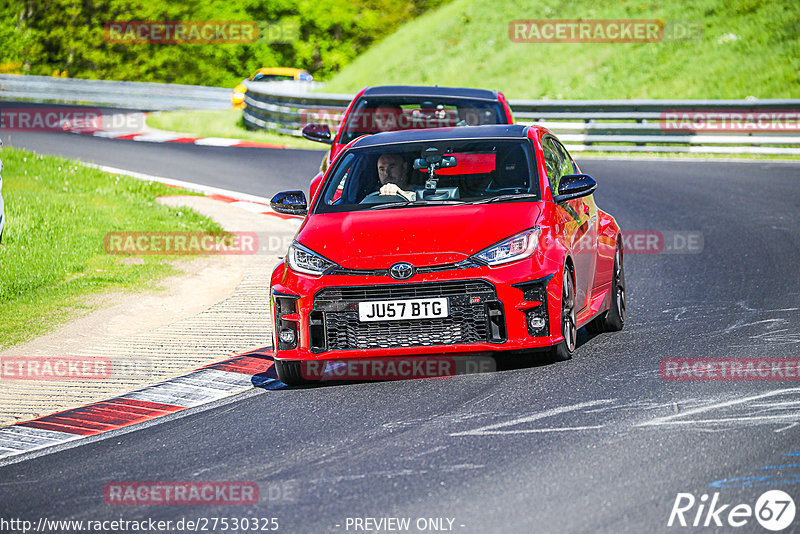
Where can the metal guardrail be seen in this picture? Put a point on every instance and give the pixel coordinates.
(285, 107)
(583, 125)
(135, 95)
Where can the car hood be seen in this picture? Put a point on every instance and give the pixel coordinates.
(429, 235)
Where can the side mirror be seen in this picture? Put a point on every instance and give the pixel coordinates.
(572, 186)
(318, 132)
(290, 203)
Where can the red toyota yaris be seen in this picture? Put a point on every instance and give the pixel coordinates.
(445, 241)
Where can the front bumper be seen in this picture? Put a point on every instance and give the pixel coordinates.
(490, 310)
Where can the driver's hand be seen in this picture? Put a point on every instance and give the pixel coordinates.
(393, 189)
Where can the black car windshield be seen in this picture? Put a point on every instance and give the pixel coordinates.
(386, 114)
(421, 174)
(258, 77)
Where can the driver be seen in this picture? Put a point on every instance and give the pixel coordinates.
(393, 174)
(388, 118)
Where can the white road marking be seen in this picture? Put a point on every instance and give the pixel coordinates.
(18, 439)
(198, 188)
(194, 389)
(189, 186)
(216, 379)
(752, 410)
(113, 134)
(775, 404)
(251, 207)
(493, 429)
(156, 137)
(217, 141)
(743, 419)
(674, 418)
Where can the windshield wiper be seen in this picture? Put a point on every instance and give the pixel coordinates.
(391, 205)
(505, 198)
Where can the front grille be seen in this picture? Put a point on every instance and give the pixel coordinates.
(463, 264)
(469, 320)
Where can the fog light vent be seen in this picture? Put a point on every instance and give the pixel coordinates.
(287, 336)
(536, 317)
(535, 322)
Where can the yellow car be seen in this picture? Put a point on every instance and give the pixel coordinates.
(274, 74)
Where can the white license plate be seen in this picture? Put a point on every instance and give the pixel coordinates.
(398, 310)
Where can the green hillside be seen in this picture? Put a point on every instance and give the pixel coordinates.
(746, 48)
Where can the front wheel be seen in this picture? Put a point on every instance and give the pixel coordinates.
(569, 326)
(615, 319)
(289, 373)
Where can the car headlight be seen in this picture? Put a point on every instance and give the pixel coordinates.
(516, 247)
(305, 260)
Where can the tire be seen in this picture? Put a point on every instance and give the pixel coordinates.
(615, 318)
(563, 351)
(289, 373)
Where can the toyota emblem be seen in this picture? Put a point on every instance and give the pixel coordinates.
(401, 271)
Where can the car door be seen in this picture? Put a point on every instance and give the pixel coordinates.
(580, 217)
(586, 240)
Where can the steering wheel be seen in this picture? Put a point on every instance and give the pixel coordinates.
(377, 198)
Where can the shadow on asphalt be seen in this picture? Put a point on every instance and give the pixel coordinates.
(502, 361)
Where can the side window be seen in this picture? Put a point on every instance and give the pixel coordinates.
(334, 190)
(567, 165)
(554, 163)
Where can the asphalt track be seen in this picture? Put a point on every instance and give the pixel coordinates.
(597, 444)
(256, 172)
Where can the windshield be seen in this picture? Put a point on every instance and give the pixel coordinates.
(431, 173)
(258, 77)
(386, 114)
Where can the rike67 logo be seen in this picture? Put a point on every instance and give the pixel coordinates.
(774, 510)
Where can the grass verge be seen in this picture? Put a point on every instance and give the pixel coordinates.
(52, 255)
(222, 123)
(737, 48)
